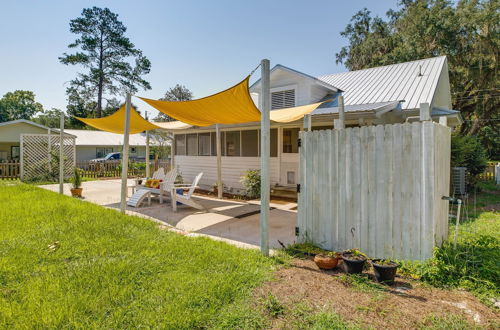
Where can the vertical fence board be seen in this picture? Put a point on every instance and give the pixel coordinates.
(398, 171)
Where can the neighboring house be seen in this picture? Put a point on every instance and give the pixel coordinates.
(89, 144)
(96, 144)
(382, 95)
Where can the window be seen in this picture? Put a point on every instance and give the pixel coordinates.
(192, 144)
(213, 137)
(290, 140)
(250, 143)
(283, 99)
(204, 144)
(180, 144)
(15, 152)
(102, 151)
(3, 155)
(232, 143)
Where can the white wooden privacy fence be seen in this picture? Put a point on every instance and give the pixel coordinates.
(376, 188)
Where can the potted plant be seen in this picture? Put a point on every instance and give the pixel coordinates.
(76, 191)
(354, 260)
(328, 260)
(385, 270)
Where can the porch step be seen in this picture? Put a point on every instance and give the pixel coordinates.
(284, 192)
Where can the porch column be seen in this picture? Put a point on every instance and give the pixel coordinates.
(220, 186)
(265, 147)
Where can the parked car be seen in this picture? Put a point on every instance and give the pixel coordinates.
(110, 156)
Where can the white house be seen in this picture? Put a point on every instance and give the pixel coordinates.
(381, 95)
(89, 144)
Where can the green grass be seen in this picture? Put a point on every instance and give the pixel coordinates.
(66, 263)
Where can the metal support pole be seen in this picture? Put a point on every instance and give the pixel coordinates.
(265, 147)
(459, 201)
(147, 151)
(220, 186)
(61, 155)
(126, 129)
(49, 146)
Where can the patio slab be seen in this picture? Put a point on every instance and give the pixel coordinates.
(225, 219)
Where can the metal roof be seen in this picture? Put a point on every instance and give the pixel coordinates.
(100, 138)
(411, 82)
(380, 106)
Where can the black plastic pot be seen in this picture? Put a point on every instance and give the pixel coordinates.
(353, 266)
(385, 273)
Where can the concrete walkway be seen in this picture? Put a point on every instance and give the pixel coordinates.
(225, 219)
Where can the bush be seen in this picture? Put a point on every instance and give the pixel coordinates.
(251, 182)
(467, 151)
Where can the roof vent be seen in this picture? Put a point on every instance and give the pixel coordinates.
(419, 71)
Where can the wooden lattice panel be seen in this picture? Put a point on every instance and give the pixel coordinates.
(40, 156)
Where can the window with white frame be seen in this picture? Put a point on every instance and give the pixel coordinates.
(180, 144)
(204, 144)
(283, 99)
(100, 152)
(192, 144)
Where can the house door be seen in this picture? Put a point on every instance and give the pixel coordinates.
(289, 166)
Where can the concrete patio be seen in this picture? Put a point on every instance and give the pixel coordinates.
(233, 221)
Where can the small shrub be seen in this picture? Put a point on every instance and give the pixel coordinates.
(273, 306)
(77, 179)
(251, 182)
(467, 151)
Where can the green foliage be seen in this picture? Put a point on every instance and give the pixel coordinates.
(114, 64)
(467, 151)
(18, 105)
(176, 93)
(273, 306)
(67, 263)
(251, 182)
(467, 32)
(451, 321)
(473, 265)
(303, 316)
(361, 283)
(77, 179)
(51, 118)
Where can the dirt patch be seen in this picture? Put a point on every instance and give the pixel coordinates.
(404, 305)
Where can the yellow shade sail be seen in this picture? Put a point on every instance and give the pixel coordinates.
(232, 106)
(115, 123)
(292, 114)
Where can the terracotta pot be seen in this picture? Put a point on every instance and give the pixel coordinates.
(76, 192)
(326, 262)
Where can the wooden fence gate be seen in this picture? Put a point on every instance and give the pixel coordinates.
(376, 188)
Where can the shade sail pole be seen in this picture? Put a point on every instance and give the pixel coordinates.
(147, 151)
(61, 154)
(219, 162)
(264, 156)
(123, 200)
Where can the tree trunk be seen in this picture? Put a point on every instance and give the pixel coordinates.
(98, 112)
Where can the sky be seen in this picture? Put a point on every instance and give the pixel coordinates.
(207, 46)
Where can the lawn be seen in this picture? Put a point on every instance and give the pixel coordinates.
(68, 263)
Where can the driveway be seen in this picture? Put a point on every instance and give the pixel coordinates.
(226, 219)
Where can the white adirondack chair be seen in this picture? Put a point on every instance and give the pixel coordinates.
(165, 188)
(186, 199)
(159, 174)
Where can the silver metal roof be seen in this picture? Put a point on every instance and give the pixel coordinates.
(99, 138)
(379, 106)
(414, 82)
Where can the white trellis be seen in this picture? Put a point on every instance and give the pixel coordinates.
(40, 156)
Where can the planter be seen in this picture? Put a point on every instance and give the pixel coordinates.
(353, 264)
(385, 272)
(76, 192)
(326, 262)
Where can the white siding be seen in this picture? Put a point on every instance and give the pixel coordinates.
(233, 168)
